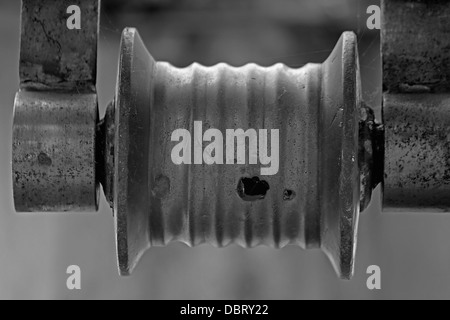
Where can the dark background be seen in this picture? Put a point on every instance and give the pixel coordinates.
(35, 250)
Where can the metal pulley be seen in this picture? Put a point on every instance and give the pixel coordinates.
(157, 199)
(247, 155)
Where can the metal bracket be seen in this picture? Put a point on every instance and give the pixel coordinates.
(55, 111)
(416, 109)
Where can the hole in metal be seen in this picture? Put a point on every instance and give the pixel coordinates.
(252, 189)
(288, 195)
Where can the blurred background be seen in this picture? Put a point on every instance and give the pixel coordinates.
(35, 250)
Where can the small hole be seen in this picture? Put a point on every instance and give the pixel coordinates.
(252, 189)
(288, 195)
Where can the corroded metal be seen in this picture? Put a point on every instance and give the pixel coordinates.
(416, 46)
(55, 112)
(416, 110)
(417, 147)
(53, 56)
(54, 152)
(313, 201)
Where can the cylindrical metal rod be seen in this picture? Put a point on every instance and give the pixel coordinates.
(417, 148)
(54, 152)
(247, 155)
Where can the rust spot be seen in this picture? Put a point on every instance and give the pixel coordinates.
(288, 195)
(44, 159)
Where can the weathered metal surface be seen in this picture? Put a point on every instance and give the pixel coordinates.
(416, 46)
(313, 199)
(416, 112)
(55, 111)
(417, 147)
(53, 56)
(54, 152)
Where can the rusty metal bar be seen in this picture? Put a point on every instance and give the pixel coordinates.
(52, 56)
(417, 148)
(416, 110)
(55, 111)
(416, 46)
(54, 157)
